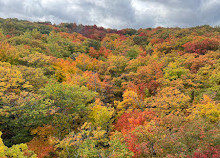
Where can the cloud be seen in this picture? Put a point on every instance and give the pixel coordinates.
(116, 13)
(187, 13)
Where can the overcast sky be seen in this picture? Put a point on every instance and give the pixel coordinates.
(116, 13)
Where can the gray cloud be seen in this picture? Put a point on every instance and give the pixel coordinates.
(116, 13)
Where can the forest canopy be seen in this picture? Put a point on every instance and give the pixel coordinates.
(73, 90)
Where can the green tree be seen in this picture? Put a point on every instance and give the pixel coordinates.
(16, 151)
(70, 103)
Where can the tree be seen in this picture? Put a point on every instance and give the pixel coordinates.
(134, 52)
(169, 100)
(8, 53)
(173, 72)
(146, 78)
(64, 69)
(19, 151)
(208, 109)
(70, 103)
(101, 116)
(130, 102)
(201, 45)
(127, 125)
(42, 143)
(20, 113)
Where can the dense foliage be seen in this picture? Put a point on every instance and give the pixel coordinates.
(85, 91)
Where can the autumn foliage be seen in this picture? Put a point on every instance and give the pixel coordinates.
(73, 90)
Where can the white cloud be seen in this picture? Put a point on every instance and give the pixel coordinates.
(116, 13)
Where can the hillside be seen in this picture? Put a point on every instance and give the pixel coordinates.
(71, 90)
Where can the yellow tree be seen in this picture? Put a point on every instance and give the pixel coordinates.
(100, 115)
(130, 102)
(207, 109)
(169, 100)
